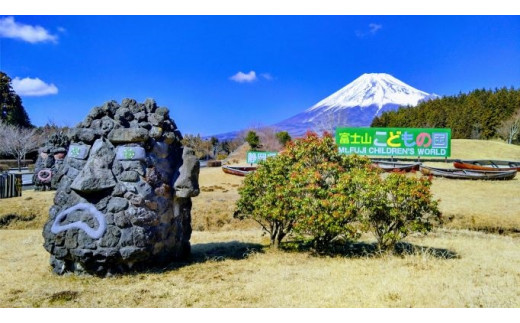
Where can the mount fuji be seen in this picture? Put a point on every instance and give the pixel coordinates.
(356, 104)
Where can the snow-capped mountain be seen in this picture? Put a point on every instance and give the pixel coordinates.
(356, 104)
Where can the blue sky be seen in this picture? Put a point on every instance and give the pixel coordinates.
(65, 65)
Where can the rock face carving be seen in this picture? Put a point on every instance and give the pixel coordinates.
(49, 162)
(124, 192)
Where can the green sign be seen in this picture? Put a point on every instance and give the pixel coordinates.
(253, 157)
(422, 142)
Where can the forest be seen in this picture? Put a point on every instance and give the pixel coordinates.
(480, 114)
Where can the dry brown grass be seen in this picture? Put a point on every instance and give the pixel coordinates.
(229, 270)
(483, 149)
(492, 206)
(213, 208)
(232, 266)
(29, 211)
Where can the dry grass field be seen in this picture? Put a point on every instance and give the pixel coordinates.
(232, 266)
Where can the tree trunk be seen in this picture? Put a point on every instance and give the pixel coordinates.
(276, 238)
(19, 160)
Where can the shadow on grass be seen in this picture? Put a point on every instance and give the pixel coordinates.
(204, 252)
(364, 250)
(6, 220)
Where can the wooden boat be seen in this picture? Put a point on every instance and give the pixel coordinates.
(487, 164)
(468, 173)
(238, 170)
(396, 166)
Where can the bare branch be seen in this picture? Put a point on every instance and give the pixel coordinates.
(17, 142)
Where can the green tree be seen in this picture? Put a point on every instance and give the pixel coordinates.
(12, 111)
(253, 140)
(283, 137)
(478, 114)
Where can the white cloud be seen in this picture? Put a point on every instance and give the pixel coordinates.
(267, 76)
(32, 34)
(243, 77)
(33, 87)
(374, 28)
(61, 30)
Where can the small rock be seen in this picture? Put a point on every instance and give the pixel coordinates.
(125, 135)
(122, 220)
(117, 204)
(111, 237)
(128, 176)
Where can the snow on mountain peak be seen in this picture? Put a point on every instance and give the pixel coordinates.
(371, 89)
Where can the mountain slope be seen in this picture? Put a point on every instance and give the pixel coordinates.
(356, 104)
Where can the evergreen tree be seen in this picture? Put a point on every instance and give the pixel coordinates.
(253, 140)
(283, 137)
(12, 111)
(476, 115)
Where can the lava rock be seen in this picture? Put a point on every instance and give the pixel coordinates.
(135, 193)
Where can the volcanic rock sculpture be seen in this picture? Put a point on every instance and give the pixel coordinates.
(49, 162)
(123, 200)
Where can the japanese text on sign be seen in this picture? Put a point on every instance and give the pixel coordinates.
(428, 142)
(253, 157)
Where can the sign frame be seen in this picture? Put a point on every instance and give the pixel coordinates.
(253, 156)
(403, 142)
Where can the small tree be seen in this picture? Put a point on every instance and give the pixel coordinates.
(214, 145)
(253, 140)
(202, 148)
(329, 122)
(396, 206)
(283, 137)
(510, 128)
(17, 142)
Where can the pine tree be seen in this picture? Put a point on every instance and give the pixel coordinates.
(12, 111)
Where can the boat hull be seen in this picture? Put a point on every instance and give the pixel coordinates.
(395, 166)
(500, 165)
(468, 174)
(238, 171)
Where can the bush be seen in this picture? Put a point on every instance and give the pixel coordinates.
(309, 188)
(314, 192)
(263, 198)
(396, 206)
(4, 167)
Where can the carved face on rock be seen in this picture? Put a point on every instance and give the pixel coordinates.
(123, 198)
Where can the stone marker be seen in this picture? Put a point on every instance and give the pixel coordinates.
(123, 200)
(50, 162)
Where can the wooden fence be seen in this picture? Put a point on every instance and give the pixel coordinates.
(10, 185)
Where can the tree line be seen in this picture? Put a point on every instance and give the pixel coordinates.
(480, 114)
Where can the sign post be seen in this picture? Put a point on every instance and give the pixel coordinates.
(414, 142)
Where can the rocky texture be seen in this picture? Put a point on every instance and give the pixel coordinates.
(50, 162)
(123, 199)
